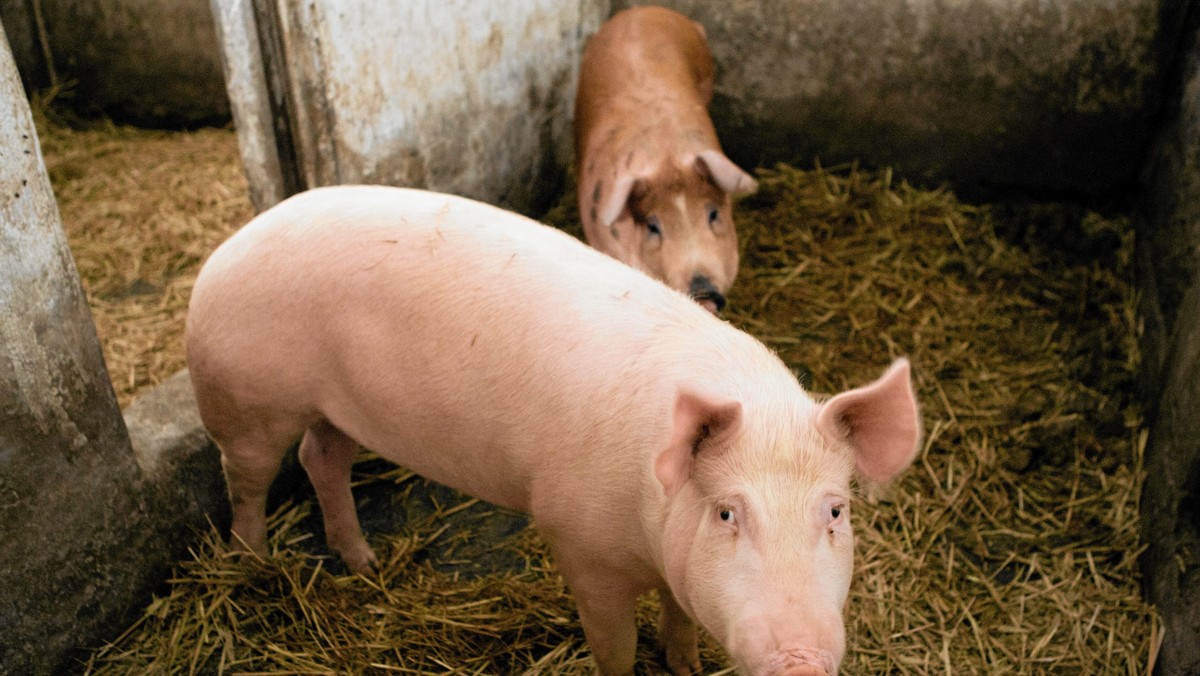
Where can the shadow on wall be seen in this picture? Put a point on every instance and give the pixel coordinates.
(153, 63)
(1052, 99)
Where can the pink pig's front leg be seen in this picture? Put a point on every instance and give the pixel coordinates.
(678, 636)
(607, 604)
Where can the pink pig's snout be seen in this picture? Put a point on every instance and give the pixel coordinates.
(816, 651)
(800, 663)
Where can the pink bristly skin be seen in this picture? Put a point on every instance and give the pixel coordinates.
(654, 185)
(654, 445)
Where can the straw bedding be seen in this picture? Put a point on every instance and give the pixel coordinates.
(1010, 546)
(142, 209)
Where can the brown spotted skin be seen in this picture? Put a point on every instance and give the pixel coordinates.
(654, 185)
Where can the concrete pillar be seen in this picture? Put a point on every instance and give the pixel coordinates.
(461, 96)
(69, 498)
(1168, 247)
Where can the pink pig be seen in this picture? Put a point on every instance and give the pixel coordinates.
(654, 185)
(654, 445)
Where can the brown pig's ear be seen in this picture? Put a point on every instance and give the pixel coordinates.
(725, 174)
(699, 422)
(880, 421)
(612, 204)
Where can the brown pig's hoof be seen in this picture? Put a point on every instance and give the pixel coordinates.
(361, 560)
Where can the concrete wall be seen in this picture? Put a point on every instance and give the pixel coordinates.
(1048, 97)
(147, 62)
(461, 96)
(1169, 277)
(991, 95)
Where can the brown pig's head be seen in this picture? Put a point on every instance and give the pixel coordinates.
(675, 223)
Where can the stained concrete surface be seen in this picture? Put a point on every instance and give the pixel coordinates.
(1169, 279)
(995, 96)
(147, 62)
(71, 507)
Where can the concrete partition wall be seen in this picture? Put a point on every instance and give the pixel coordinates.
(993, 96)
(147, 62)
(474, 97)
(460, 96)
(1169, 276)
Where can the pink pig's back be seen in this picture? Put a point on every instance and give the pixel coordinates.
(467, 343)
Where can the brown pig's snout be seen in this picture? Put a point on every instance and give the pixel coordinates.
(702, 290)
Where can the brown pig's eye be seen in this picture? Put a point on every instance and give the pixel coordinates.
(653, 229)
(713, 215)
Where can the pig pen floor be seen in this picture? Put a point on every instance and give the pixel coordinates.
(1009, 547)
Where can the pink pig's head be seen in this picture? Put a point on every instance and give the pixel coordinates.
(758, 547)
(675, 223)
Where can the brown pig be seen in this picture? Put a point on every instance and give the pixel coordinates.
(654, 186)
(654, 445)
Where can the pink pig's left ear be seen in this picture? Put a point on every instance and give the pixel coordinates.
(880, 421)
(699, 421)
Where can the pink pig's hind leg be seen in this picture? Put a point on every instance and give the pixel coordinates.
(250, 462)
(327, 455)
(678, 636)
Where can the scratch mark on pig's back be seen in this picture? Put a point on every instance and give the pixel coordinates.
(378, 261)
(431, 243)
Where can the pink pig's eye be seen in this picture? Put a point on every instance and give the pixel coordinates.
(836, 511)
(726, 515)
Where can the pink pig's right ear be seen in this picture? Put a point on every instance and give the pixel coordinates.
(880, 421)
(699, 421)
